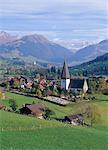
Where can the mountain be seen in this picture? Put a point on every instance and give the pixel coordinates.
(36, 46)
(5, 37)
(98, 66)
(73, 45)
(91, 52)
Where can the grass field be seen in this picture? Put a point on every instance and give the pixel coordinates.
(20, 100)
(19, 132)
(55, 139)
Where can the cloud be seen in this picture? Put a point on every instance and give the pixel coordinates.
(52, 5)
(55, 18)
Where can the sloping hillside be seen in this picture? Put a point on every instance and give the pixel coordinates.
(98, 66)
(20, 132)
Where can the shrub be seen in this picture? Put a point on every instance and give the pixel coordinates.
(48, 113)
(13, 105)
(105, 92)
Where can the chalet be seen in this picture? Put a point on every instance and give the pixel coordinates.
(33, 109)
(75, 84)
(2, 106)
(26, 82)
(22, 79)
(76, 119)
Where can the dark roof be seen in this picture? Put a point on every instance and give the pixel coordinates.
(36, 108)
(27, 79)
(65, 71)
(79, 116)
(76, 83)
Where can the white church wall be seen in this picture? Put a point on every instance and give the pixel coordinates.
(65, 84)
(85, 87)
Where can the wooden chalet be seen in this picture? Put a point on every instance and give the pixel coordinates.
(76, 119)
(33, 109)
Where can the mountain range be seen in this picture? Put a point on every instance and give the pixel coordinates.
(92, 51)
(37, 47)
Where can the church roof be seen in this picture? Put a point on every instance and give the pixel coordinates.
(77, 83)
(65, 71)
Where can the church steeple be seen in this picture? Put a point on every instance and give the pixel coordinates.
(65, 77)
(65, 71)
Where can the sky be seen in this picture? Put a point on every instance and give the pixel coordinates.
(59, 20)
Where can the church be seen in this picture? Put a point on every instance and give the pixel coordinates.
(74, 83)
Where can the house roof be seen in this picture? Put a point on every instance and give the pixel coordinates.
(79, 116)
(27, 79)
(65, 71)
(76, 83)
(36, 108)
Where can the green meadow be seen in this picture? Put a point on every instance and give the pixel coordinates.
(20, 132)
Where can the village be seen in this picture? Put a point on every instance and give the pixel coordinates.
(53, 75)
(63, 92)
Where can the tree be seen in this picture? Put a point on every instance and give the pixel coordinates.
(93, 84)
(93, 114)
(2, 95)
(44, 93)
(38, 93)
(48, 113)
(105, 92)
(102, 85)
(33, 102)
(16, 84)
(13, 105)
(38, 77)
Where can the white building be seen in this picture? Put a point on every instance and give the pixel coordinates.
(75, 84)
(65, 77)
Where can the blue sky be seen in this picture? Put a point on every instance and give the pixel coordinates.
(56, 19)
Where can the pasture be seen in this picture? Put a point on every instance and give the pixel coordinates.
(20, 132)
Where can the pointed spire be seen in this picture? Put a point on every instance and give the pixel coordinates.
(65, 71)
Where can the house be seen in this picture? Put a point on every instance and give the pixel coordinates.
(13, 81)
(42, 84)
(2, 106)
(76, 119)
(74, 84)
(21, 82)
(26, 82)
(23, 79)
(33, 109)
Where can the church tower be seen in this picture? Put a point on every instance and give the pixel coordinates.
(65, 77)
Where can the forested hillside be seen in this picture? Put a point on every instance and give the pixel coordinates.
(98, 66)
